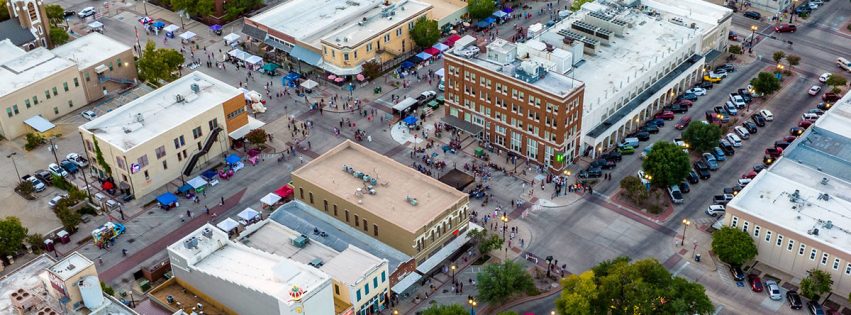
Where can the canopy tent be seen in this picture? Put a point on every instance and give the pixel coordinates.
(404, 104)
(95, 25)
(406, 65)
(39, 123)
(270, 199)
(159, 24)
(184, 189)
(415, 59)
(232, 158)
(216, 27)
(439, 72)
(432, 51)
(228, 225)
(450, 41)
(167, 199)
(285, 191)
(507, 10)
(485, 23)
(249, 214)
(188, 35)
(241, 55)
(254, 60)
(500, 14)
(197, 182)
(410, 120)
(145, 20)
(441, 46)
(269, 67)
(171, 28)
(231, 38)
(309, 84)
(424, 56)
(239, 133)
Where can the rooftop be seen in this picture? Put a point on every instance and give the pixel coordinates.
(323, 17)
(348, 266)
(146, 117)
(184, 298)
(373, 23)
(397, 187)
(28, 68)
(9, 51)
(443, 8)
(807, 189)
(552, 82)
(11, 29)
(91, 49)
(706, 15)
(70, 265)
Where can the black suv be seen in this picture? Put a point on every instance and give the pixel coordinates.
(727, 148)
(758, 119)
(591, 172)
(703, 173)
(642, 135)
(794, 300)
(751, 127)
(604, 164)
(737, 273)
(753, 15)
(613, 156)
(692, 177)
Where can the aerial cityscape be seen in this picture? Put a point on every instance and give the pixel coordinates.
(425, 157)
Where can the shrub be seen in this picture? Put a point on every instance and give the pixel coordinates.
(33, 141)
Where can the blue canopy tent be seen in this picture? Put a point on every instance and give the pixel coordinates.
(290, 78)
(216, 27)
(406, 65)
(424, 56)
(482, 24)
(232, 158)
(410, 120)
(507, 10)
(159, 24)
(167, 199)
(490, 20)
(440, 46)
(184, 189)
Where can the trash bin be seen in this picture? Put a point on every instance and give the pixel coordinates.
(480, 152)
(48, 245)
(63, 237)
(697, 257)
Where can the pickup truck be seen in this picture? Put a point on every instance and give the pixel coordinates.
(77, 159)
(37, 184)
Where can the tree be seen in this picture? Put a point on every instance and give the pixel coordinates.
(499, 282)
(765, 83)
(36, 242)
(451, 309)
(777, 56)
(835, 80)
(667, 164)
(257, 137)
(793, 60)
(4, 14)
(702, 137)
(55, 14)
(816, 284)
(425, 32)
(70, 219)
(25, 188)
(99, 158)
(159, 64)
(12, 235)
(576, 5)
(193, 7)
(486, 241)
(58, 36)
(634, 189)
(371, 69)
(480, 9)
(735, 49)
(237, 7)
(733, 246)
(618, 287)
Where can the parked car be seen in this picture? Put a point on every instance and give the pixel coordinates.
(626, 149)
(711, 79)
(715, 210)
(745, 94)
(767, 115)
(730, 108)
(77, 159)
(815, 308)
(699, 91)
(742, 132)
(692, 177)
(743, 181)
(774, 152)
(728, 67)
(703, 173)
(651, 128)
(737, 273)
(687, 96)
(753, 15)
(604, 164)
(684, 187)
(675, 194)
(666, 115)
(53, 201)
(69, 166)
(805, 123)
(796, 131)
(706, 85)
(700, 165)
(830, 97)
(785, 28)
(719, 154)
(755, 282)
(750, 175)
(809, 116)
(750, 126)
(816, 111)
(734, 140)
(56, 170)
(773, 290)
(86, 12)
(794, 300)
(89, 115)
(613, 156)
(824, 105)
(738, 100)
(683, 123)
(789, 138)
(781, 144)
(44, 176)
(814, 90)
(69, 13)
(722, 199)
(591, 172)
(37, 184)
(824, 76)
(727, 147)
(710, 161)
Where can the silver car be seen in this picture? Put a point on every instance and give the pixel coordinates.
(773, 290)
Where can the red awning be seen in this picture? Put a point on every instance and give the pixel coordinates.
(432, 51)
(285, 191)
(107, 186)
(452, 39)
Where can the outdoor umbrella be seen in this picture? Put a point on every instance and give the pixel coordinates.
(159, 24)
(232, 158)
(332, 77)
(216, 27)
(410, 120)
(338, 80)
(309, 84)
(360, 77)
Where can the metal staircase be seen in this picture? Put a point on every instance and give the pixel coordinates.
(193, 161)
(103, 78)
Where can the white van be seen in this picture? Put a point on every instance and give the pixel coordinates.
(843, 63)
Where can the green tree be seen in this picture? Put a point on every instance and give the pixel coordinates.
(577, 295)
(735, 49)
(816, 284)
(58, 36)
(257, 137)
(480, 9)
(99, 158)
(159, 64)
(485, 240)
(451, 309)
(4, 14)
(70, 219)
(667, 164)
(765, 83)
(793, 60)
(425, 32)
(371, 69)
(777, 56)
(702, 137)
(499, 282)
(107, 289)
(236, 7)
(835, 80)
(576, 5)
(12, 235)
(33, 141)
(634, 189)
(733, 246)
(55, 14)
(25, 188)
(36, 242)
(193, 7)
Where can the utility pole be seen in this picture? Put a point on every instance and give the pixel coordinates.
(53, 149)
(11, 156)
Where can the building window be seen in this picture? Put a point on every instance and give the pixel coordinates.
(791, 245)
(335, 210)
(27, 103)
(301, 193)
(15, 108)
(357, 295)
(70, 104)
(118, 61)
(768, 236)
(9, 111)
(384, 275)
(368, 47)
(160, 152)
(366, 288)
(120, 163)
(386, 38)
(76, 82)
(813, 254)
(848, 269)
(347, 216)
(35, 100)
(86, 75)
(756, 231)
(745, 226)
(357, 220)
(399, 31)
(56, 110)
(213, 124)
(310, 194)
(735, 222)
(179, 142)
(346, 56)
(375, 279)
(801, 249)
(143, 160)
(147, 177)
(196, 133)
(165, 164)
(824, 257)
(110, 66)
(336, 289)
(836, 264)
(365, 226)
(375, 230)
(779, 239)
(325, 204)
(55, 91)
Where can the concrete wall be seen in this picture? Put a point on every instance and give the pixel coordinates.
(238, 298)
(121, 66)
(56, 106)
(773, 244)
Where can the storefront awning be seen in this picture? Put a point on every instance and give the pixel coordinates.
(252, 124)
(341, 71)
(39, 123)
(406, 283)
(463, 125)
(306, 55)
(447, 250)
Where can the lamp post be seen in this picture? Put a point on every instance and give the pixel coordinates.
(11, 156)
(395, 312)
(792, 10)
(472, 304)
(753, 38)
(686, 223)
(504, 219)
(145, 5)
(453, 273)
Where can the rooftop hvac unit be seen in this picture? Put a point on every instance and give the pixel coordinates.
(301, 241)
(207, 232)
(191, 243)
(179, 98)
(411, 200)
(195, 88)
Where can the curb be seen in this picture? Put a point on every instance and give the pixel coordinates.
(486, 310)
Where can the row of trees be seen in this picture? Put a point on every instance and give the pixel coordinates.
(13, 235)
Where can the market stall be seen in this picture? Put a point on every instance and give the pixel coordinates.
(231, 39)
(216, 28)
(170, 30)
(441, 47)
(96, 27)
(270, 200)
(308, 85)
(432, 51)
(410, 120)
(249, 216)
(450, 41)
(198, 184)
(167, 201)
(187, 36)
(286, 192)
(229, 226)
(104, 236)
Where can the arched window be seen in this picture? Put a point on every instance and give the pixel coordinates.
(31, 9)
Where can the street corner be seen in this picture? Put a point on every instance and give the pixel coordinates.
(695, 245)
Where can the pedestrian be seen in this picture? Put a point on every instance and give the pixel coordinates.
(300, 159)
(223, 201)
(188, 213)
(207, 209)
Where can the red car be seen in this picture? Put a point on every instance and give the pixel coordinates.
(685, 102)
(789, 138)
(683, 123)
(785, 28)
(774, 152)
(749, 175)
(666, 115)
(755, 282)
(830, 97)
(804, 123)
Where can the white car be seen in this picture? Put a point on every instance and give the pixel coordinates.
(742, 132)
(744, 181)
(697, 91)
(643, 177)
(824, 76)
(814, 90)
(56, 170)
(767, 115)
(734, 140)
(813, 5)
(715, 210)
(52, 203)
(738, 100)
(86, 12)
(773, 290)
(89, 115)
(426, 95)
(77, 159)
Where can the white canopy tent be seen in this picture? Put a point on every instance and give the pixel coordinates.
(95, 25)
(171, 28)
(249, 214)
(254, 60)
(309, 84)
(197, 182)
(231, 38)
(228, 225)
(188, 35)
(270, 199)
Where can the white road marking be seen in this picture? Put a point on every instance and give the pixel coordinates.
(681, 268)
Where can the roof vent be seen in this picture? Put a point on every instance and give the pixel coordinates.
(140, 118)
(411, 200)
(824, 180)
(195, 88)
(828, 225)
(179, 98)
(207, 232)
(813, 231)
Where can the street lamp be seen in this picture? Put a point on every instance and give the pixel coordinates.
(686, 223)
(753, 38)
(504, 219)
(395, 312)
(453, 273)
(11, 156)
(473, 304)
(792, 10)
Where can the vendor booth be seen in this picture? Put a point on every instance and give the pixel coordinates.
(167, 201)
(441, 47)
(410, 120)
(432, 51)
(96, 27)
(229, 226)
(187, 37)
(270, 200)
(170, 30)
(217, 29)
(198, 184)
(309, 85)
(231, 39)
(249, 216)
(104, 236)
(450, 41)
(285, 192)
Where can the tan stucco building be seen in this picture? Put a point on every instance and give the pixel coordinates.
(166, 133)
(393, 203)
(41, 85)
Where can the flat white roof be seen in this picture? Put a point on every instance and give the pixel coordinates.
(31, 275)
(9, 51)
(28, 68)
(145, 118)
(808, 187)
(704, 14)
(71, 265)
(553, 82)
(355, 33)
(309, 20)
(89, 50)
